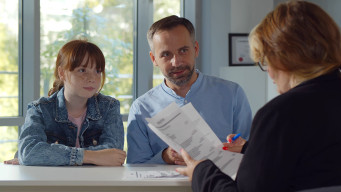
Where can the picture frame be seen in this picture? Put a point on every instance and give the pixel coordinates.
(239, 50)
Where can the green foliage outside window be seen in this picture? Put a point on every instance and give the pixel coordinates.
(8, 72)
(8, 142)
(111, 29)
(9, 78)
(107, 23)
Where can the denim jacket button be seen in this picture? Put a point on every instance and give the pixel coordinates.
(94, 142)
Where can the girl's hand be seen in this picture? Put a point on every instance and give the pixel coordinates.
(105, 157)
(191, 164)
(13, 161)
(236, 145)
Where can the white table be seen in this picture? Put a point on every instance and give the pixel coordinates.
(86, 178)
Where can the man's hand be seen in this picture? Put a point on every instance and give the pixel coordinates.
(170, 156)
(191, 164)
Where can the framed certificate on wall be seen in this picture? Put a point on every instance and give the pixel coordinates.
(239, 50)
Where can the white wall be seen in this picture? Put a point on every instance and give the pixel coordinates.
(244, 15)
(221, 17)
(214, 32)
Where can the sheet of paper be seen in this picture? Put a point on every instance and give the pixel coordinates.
(131, 175)
(185, 128)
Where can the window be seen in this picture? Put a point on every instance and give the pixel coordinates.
(8, 142)
(9, 68)
(118, 27)
(108, 24)
(9, 76)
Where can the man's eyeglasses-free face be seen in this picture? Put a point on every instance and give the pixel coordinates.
(262, 66)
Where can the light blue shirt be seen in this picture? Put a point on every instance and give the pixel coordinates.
(221, 103)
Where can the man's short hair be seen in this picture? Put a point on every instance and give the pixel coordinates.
(169, 23)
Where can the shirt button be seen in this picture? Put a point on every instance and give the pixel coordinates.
(94, 142)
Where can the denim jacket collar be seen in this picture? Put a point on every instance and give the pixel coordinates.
(93, 111)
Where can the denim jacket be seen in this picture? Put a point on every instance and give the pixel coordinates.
(48, 137)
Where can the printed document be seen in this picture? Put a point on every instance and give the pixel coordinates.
(131, 175)
(183, 127)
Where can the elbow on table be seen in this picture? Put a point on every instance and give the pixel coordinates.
(26, 159)
(30, 158)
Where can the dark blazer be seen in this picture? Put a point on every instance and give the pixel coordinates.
(295, 143)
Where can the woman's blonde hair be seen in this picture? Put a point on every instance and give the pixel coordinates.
(301, 36)
(72, 54)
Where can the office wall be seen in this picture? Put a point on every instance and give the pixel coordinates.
(331, 6)
(220, 17)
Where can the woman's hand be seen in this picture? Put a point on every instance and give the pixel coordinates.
(13, 161)
(105, 157)
(191, 164)
(236, 145)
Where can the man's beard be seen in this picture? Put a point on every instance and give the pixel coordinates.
(180, 81)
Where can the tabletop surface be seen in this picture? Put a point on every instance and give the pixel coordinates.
(19, 175)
